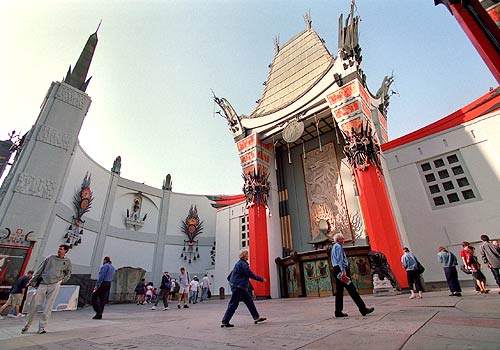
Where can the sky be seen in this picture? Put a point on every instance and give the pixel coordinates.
(157, 61)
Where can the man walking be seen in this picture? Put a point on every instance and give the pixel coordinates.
(183, 288)
(165, 286)
(343, 280)
(47, 280)
(205, 287)
(239, 281)
(16, 295)
(491, 257)
(100, 294)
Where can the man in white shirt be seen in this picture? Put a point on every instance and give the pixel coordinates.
(193, 290)
(205, 286)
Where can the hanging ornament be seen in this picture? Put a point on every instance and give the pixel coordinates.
(190, 261)
(289, 158)
(182, 255)
(81, 232)
(319, 136)
(194, 258)
(196, 248)
(198, 255)
(185, 257)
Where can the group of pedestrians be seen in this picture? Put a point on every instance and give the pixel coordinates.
(489, 253)
(189, 290)
(55, 269)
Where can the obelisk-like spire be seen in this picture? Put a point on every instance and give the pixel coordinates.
(77, 77)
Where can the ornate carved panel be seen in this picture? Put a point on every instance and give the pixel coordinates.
(35, 186)
(54, 137)
(74, 98)
(325, 194)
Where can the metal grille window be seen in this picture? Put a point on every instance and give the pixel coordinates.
(447, 181)
(245, 232)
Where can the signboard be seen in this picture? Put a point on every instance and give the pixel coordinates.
(67, 299)
(350, 106)
(12, 263)
(254, 154)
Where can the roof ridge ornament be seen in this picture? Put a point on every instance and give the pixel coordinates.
(228, 113)
(383, 93)
(308, 20)
(349, 37)
(276, 44)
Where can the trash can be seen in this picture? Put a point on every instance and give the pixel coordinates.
(221, 293)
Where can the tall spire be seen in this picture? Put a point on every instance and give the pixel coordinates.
(77, 77)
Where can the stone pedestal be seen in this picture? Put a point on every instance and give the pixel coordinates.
(382, 287)
(126, 278)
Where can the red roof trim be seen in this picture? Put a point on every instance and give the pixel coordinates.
(224, 201)
(485, 104)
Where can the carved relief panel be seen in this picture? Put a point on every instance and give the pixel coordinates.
(325, 194)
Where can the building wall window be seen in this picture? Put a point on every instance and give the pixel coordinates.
(245, 232)
(447, 181)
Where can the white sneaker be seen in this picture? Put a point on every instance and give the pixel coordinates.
(13, 316)
(166, 308)
(153, 308)
(1, 317)
(22, 315)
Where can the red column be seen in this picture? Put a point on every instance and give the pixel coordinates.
(379, 219)
(259, 251)
(477, 29)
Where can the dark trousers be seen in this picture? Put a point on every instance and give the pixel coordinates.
(351, 289)
(414, 280)
(452, 279)
(100, 297)
(163, 295)
(245, 297)
(496, 274)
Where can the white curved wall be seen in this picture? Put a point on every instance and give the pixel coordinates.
(124, 252)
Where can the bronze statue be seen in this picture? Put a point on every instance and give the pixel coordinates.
(380, 266)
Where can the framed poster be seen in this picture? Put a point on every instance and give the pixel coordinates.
(12, 263)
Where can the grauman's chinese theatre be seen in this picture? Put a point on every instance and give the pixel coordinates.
(310, 157)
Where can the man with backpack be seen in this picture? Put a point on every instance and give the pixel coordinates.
(165, 286)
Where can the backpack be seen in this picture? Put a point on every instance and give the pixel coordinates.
(169, 283)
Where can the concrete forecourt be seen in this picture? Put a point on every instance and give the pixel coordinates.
(437, 321)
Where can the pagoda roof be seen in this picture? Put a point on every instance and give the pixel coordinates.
(296, 68)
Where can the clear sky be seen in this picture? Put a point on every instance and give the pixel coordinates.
(157, 61)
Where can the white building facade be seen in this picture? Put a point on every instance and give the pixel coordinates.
(444, 183)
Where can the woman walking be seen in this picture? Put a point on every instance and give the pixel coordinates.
(410, 265)
(449, 262)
